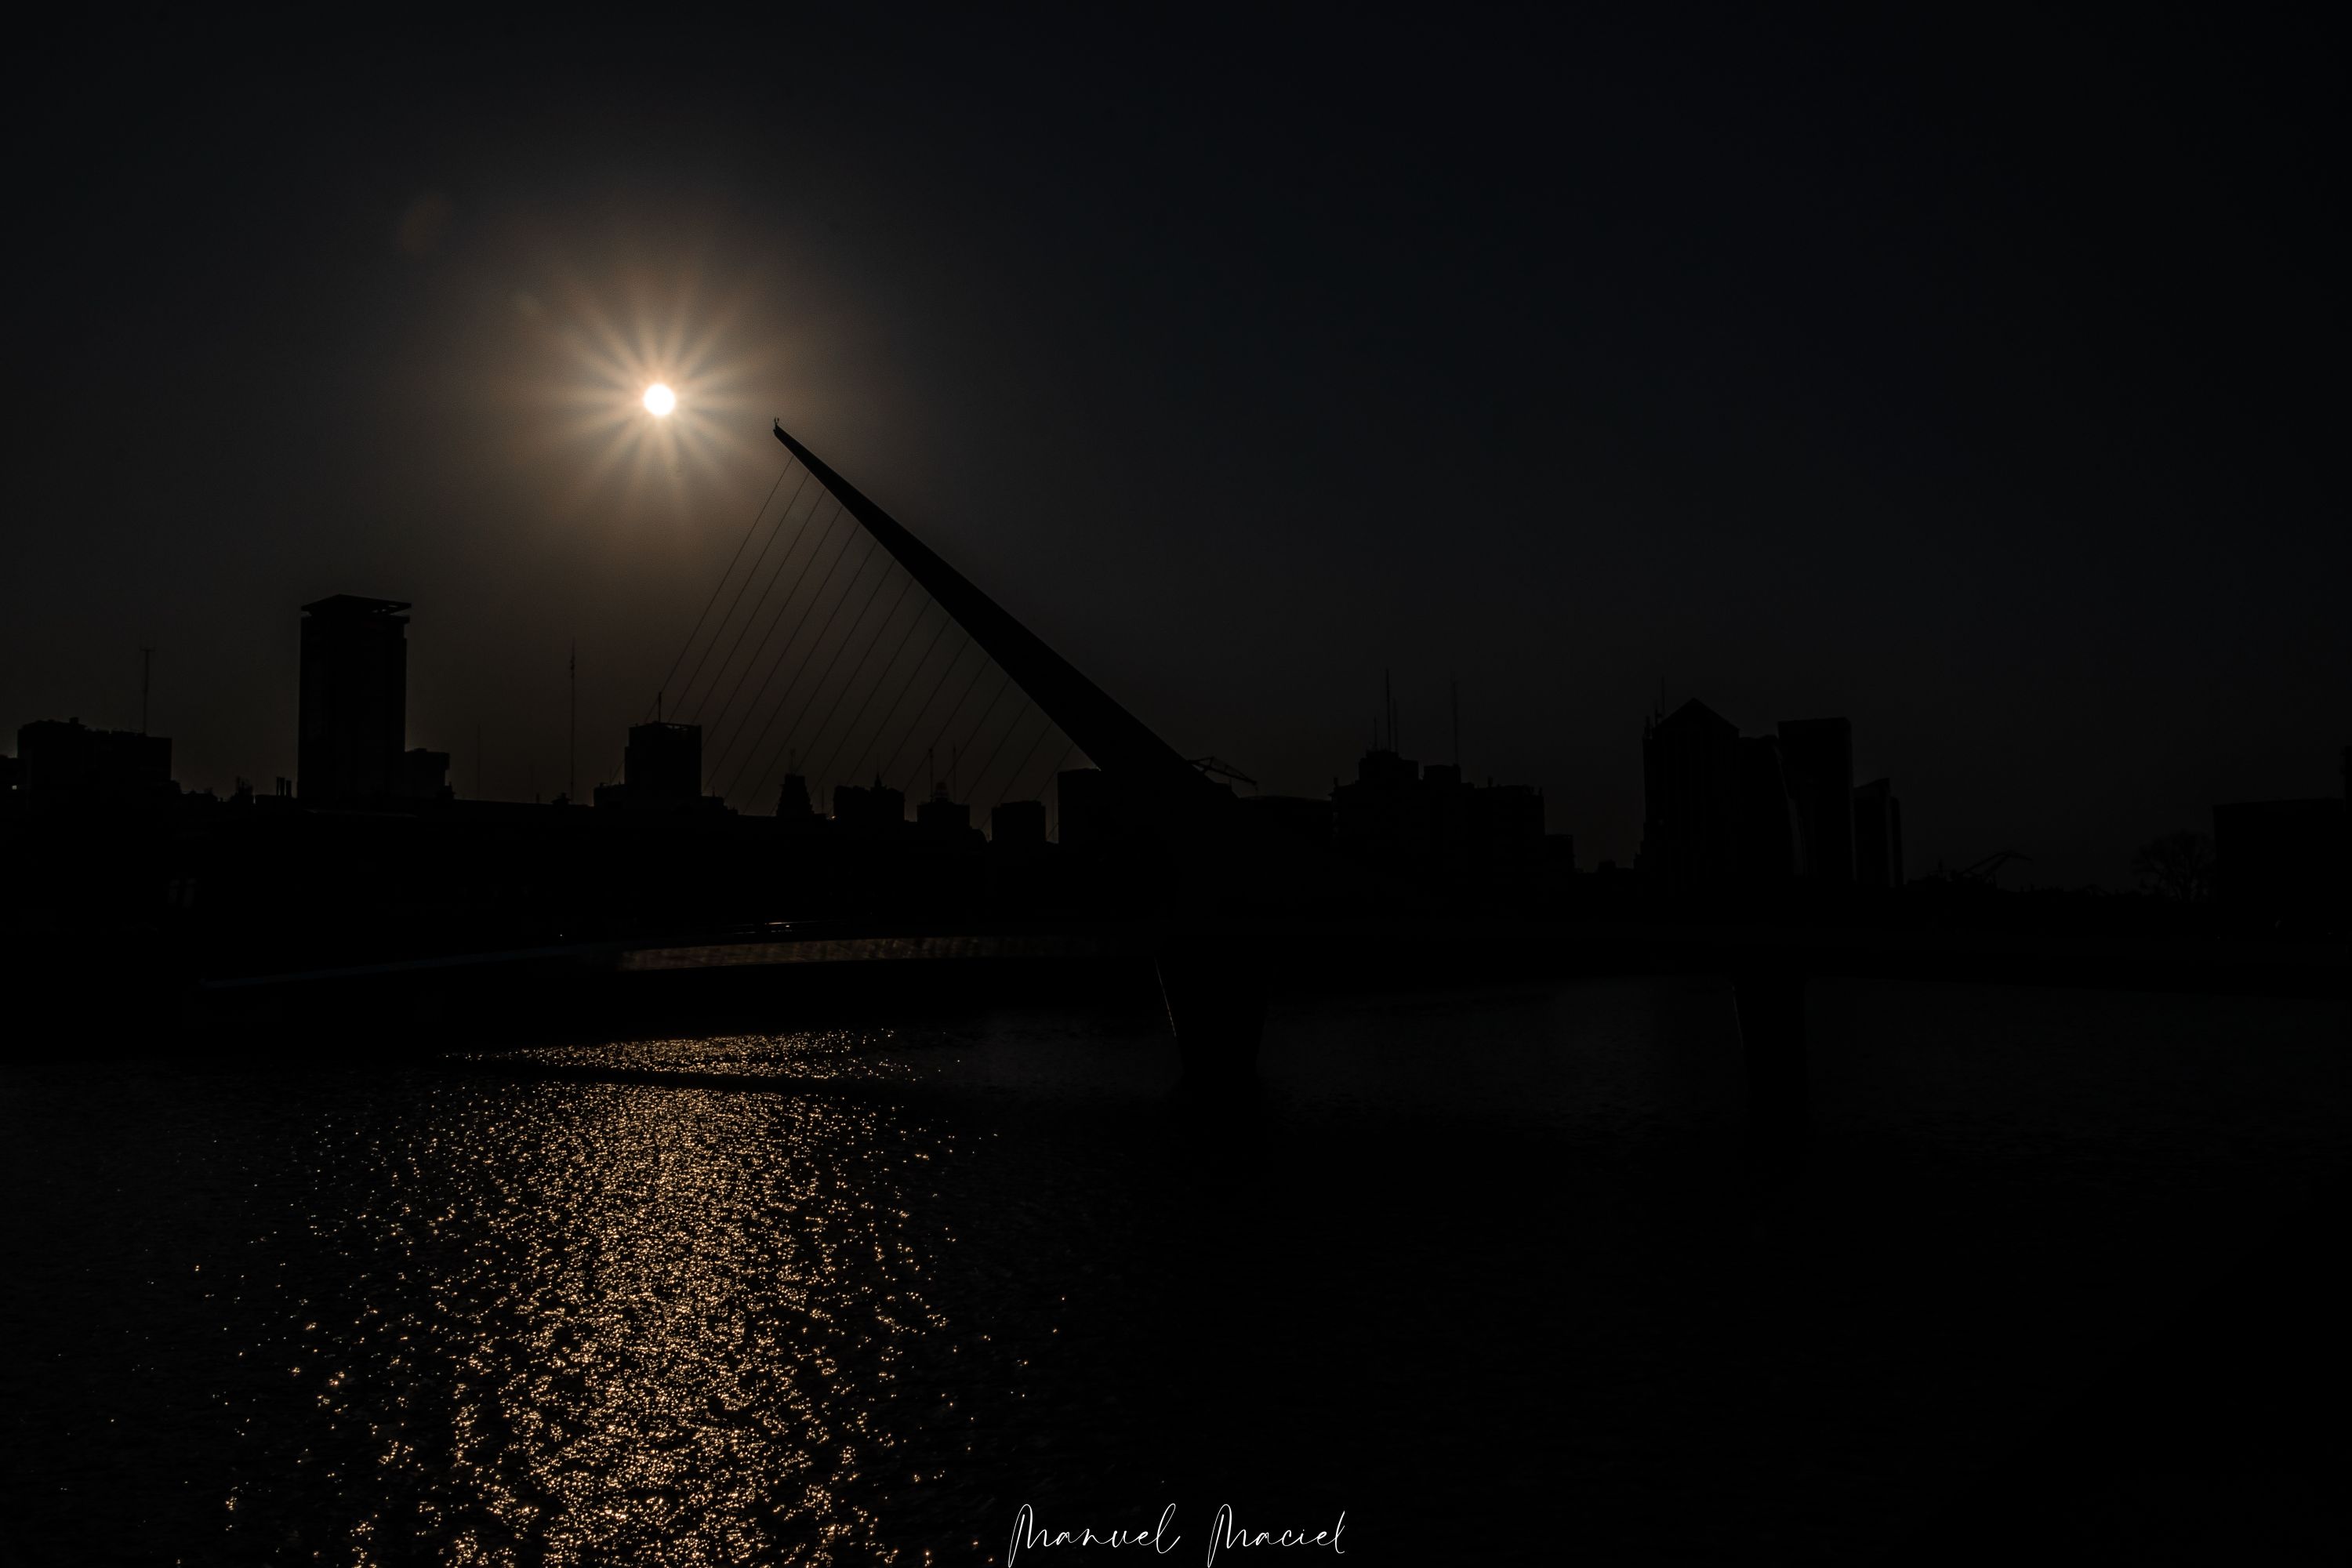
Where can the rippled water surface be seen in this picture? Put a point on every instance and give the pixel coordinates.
(1472, 1267)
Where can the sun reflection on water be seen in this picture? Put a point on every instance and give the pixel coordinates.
(623, 1322)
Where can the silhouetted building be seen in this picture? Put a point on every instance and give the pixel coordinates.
(424, 775)
(1817, 761)
(662, 764)
(661, 770)
(1506, 828)
(794, 807)
(1094, 810)
(1298, 820)
(1558, 856)
(1383, 814)
(869, 809)
(12, 773)
(1017, 823)
(2282, 861)
(1728, 813)
(354, 702)
(1767, 818)
(1425, 824)
(1691, 798)
(1877, 836)
(62, 761)
(945, 820)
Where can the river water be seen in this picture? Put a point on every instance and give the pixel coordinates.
(1475, 1271)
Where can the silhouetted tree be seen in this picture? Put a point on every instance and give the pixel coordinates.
(2179, 865)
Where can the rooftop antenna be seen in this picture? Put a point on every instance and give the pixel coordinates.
(146, 680)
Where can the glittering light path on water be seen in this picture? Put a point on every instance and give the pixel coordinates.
(666, 1322)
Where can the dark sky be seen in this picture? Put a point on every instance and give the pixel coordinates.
(1976, 378)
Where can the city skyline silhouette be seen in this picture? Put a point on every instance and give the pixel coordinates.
(915, 786)
(1954, 387)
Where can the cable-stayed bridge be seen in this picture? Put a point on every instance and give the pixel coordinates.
(838, 647)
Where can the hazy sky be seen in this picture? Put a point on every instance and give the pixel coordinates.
(1976, 380)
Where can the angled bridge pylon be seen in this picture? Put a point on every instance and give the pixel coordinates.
(1117, 742)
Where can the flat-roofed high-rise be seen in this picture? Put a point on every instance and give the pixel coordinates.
(354, 705)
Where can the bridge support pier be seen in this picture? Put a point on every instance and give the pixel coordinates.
(1215, 995)
(1772, 1002)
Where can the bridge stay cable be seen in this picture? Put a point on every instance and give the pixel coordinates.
(882, 678)
(793, 683)
(816, 596)
(1114, 737)
(869, 674)
(849, 640)
(750, 765)
(856, 673)
(971, 742)
(728, 725)
(1012, 728)
(1021, 768)
(888, 765)
(1069, 704)
(774, 620)
(783, 607)
(913, 675)
(786, 663)
(720, 586)
(890, 769)
(685, 702)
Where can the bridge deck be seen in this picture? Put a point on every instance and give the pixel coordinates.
(2312, 967)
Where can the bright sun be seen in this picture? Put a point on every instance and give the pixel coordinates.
(659, 399)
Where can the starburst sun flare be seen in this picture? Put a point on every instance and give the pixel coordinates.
(648, 377)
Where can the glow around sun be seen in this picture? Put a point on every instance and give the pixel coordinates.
(651, 385)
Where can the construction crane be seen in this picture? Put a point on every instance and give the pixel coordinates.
(1987, 872)
(1214, 768)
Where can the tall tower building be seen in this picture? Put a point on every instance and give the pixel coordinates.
(355, 714)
